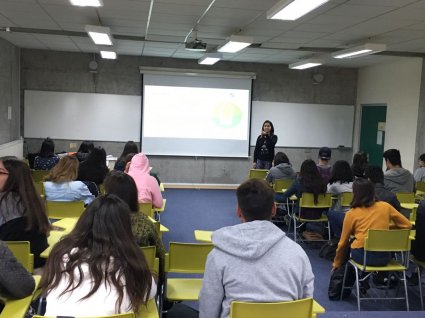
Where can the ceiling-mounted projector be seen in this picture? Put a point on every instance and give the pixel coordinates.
(196, 45)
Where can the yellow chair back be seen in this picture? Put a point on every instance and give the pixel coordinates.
(387, 240)
(187, 257)
(150, 254)
(64, 209)
(280, 184)
(39, 186)
(420, 185)
(406, 197)
(324, 201)
(290, 309)
(39, 175)
(346, 198)
(257, 174)
(146, 208)
(127, 315)
(21, 250)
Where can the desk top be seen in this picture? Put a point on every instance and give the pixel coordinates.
(409, 206)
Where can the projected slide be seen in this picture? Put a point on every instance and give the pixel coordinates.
(195, 112)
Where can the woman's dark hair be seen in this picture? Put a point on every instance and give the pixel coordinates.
(128, 158)
(311, 179)
(360, 163)
(19, 182)
(123, 186)
(86, 146)
(271, 125)
(363, 193)
(97, 158)
(280, 157)
(102, 239)
(47, 148)
(129, 147)
(341, 171)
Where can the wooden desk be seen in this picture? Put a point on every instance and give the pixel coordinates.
(203, 236)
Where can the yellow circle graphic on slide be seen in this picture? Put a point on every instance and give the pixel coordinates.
(226, 114)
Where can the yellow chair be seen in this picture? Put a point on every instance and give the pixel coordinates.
(146, 208)
(257, 174)
(101, 188)
(127, 315)
(345, 199)
(148, 311)
(382, 241)
(185, 258)
(280, 185)
(21, 250)
(420, 186)
(64, 209)
(39, 186)
(289, 309)
(307, 201)
(412, 216)
(151, 259)
(406, 197)
(17, 308)
(39, 175)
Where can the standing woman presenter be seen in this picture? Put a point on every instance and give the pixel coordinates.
(264, 148)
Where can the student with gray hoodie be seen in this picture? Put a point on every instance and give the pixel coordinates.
(254, 261)
(396, 178)
(282, 168)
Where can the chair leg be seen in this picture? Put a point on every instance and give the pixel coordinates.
(357, 287)
(405, 290)
(418, 270)
(295, 229)
(343, 281)
(329, 231)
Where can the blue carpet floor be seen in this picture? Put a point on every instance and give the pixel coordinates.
(189, 210)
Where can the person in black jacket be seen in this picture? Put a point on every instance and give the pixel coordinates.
(264, 147)
(418, 244)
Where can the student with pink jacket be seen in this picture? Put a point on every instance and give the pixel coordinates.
(147, 186)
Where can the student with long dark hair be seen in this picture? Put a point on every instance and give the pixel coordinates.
(309, 180)
(47, 158)
(341, 179)
(85, 148)
(129, 147)
(22, 213)
(94, 168)
(264, 147)
(360, 162)
(366, 213)
(98, 269)
(123, 186)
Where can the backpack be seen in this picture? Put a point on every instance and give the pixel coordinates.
(335, 283)
(328, 250)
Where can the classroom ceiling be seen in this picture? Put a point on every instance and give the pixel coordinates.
(159, 28)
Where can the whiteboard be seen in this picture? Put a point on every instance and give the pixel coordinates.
(305, 125)
(82, 116)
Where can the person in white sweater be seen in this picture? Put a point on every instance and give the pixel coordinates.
(98, 269)
(254, 261)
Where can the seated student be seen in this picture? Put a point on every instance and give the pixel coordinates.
(129, 147)
(46, 159)
(325, 169)
(418, 244)
(22, 213)
(61, 184)
(419, 174)
(282, 168)
(309, 180)
(396, 178)
(15, 281)
(85, 148)
(123, 186)
(147, 186)
(254, 261)
(97, 269)
(360, 162)
(366, 213)
(94, 168)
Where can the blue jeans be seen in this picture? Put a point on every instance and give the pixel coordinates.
(336, 220)
(261, 164)
(372, 259)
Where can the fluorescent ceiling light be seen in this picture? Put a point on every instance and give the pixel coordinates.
(361, 50)
(236, 43)
(87, 3)
(293, 9)
(111, 55)
(210, 58)
(100, 35)
(302, 65)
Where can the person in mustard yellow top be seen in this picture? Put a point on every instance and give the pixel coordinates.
(366, 213)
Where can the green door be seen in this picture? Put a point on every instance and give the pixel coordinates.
(372, 133)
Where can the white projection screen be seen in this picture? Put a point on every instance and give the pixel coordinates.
(196, 115)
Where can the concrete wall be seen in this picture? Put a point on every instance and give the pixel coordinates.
(398, 86)
(9, 92)
(63, 71)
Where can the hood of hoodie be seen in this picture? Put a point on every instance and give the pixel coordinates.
(398, 176)
(139, 163)
(285, 168)
(250, 240)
